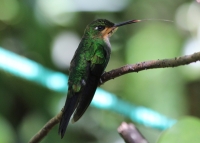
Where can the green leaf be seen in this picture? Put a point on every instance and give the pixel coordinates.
(186, 130)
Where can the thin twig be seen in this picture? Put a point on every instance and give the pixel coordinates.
(164, 63)
(130, 133)
(46, 128)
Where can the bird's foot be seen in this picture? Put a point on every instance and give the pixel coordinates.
(100, 80)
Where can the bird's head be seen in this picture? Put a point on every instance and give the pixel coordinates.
(102, 28)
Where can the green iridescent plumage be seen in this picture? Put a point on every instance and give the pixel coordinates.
(86, 68)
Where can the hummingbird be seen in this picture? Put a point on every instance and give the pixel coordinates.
(86, 68)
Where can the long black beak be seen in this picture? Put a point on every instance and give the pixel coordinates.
(126, 22)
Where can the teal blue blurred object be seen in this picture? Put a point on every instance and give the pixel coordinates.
(34, 72)
(138, 114)
(30, 70)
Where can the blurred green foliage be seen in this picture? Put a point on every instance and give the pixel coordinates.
(184, 131)
(29, 29)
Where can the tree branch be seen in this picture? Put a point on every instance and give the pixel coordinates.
(46, 128)
(164, 63)
(130, 133)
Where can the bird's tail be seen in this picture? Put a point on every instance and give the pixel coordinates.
(70, 105)
(86, 97)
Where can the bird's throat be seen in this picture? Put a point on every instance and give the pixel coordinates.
(107, 33)
(106, 40)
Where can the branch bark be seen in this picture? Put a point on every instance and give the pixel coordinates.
(46, 128)
(164, 63)
(130, 133)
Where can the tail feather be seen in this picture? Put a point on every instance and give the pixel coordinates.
(86, 97)
(70, 105)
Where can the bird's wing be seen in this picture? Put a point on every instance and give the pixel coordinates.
(97, 63)
(90, 58)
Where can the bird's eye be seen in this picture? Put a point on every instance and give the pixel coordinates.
(100, 28)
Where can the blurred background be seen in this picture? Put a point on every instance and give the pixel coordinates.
(48, 32)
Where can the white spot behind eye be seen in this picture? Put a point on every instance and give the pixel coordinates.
(96, 28)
